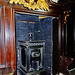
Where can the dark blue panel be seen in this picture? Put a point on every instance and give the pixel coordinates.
(42, 30)
(26, 17)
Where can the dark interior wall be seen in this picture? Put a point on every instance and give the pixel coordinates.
(71, 33)
(55, 47)
(24, 25)
(42, 30)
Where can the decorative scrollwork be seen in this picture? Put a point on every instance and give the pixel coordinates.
(66, 14)
(32, 4)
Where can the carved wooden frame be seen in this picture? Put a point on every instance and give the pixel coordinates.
(53, 11)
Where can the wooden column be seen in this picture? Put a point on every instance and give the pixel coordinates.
(8, 37)
(2, 57)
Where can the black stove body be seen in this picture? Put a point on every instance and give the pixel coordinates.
(31, 56)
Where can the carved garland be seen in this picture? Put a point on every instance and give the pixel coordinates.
(32, 4)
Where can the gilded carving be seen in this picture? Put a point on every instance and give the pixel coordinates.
(32, 4)
(66, 14)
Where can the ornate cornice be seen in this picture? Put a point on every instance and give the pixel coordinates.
(32, 4)
(55, 9)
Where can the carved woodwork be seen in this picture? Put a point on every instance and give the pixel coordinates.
(7, 32)
(7, 38)
(31, 4)
(53, 9)
(66, 13)
(1, 38)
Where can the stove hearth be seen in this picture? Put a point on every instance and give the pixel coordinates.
(31, 57)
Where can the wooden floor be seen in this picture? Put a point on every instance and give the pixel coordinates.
(10, 71)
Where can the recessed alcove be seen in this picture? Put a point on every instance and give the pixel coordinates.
(42, 29)
(17, 22)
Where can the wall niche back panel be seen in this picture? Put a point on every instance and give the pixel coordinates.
(42, 30)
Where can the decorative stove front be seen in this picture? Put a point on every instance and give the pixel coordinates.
(32, 56)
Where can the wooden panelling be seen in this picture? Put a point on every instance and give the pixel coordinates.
(7, 37)
(55, 9)
(7, 30)
(1, 39)
(13, 55)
